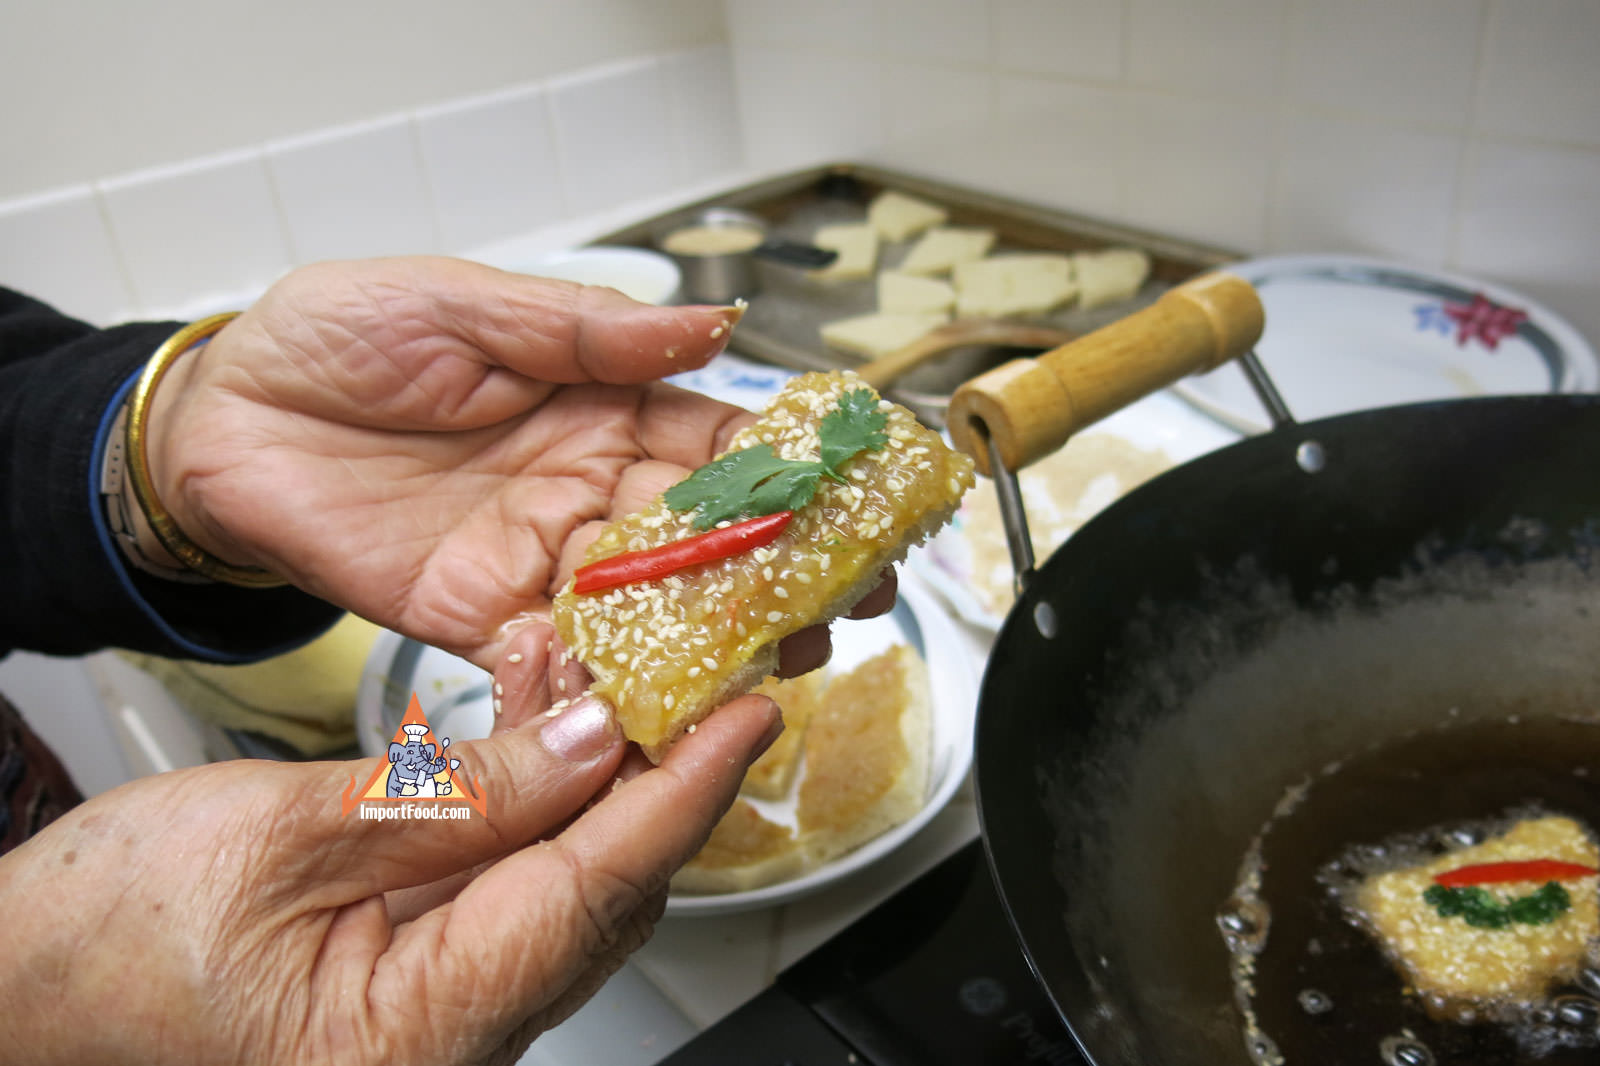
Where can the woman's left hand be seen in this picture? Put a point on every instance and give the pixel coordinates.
(428, 442)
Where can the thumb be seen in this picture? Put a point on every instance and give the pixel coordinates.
(531, 780)
(574, 895)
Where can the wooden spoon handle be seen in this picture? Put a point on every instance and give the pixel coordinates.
(887, 368)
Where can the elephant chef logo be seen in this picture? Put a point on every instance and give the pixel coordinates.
(418, 779)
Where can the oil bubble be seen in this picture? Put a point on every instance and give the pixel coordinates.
(1314, 1002)
(1576, 1014)
(1589, 980)
(1244, 921)
(1263, 1051)
(1405, 1050)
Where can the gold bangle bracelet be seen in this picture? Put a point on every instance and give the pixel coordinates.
(161, 521)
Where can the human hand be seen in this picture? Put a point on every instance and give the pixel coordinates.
(230, 913)
(431, 443)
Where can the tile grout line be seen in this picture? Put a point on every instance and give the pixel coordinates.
(1467, 156)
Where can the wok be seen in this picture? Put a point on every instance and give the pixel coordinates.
(1377, 624)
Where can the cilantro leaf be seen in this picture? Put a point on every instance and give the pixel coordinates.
(756, 481)
(787, 490)
(723, 487)
(855, 426)
(1479, 909)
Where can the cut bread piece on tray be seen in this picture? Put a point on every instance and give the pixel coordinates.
(771, 776)
(746, 850)
(901, 293)
(857, 245)
(943, 247)
(867, 754)
(881, 332)
(1027, 283)
(1109, 277)
(897, 216)
(864, 482)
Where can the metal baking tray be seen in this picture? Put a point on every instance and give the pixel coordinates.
(783, 323)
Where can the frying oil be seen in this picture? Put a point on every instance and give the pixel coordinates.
(1313, 986)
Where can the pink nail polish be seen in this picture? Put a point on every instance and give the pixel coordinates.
(580, 733)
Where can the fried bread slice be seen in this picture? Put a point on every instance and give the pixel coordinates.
(771, 776)
(746, 850)
(867, 754)
(1459, 968)
(666, 652)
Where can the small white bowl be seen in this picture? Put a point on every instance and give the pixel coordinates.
(646, 276)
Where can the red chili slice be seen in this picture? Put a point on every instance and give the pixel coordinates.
(653, 563)
(1493, 873)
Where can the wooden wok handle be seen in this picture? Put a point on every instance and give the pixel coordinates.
(1029, 407)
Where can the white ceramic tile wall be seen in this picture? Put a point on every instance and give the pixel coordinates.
(1455, 133)
(57, 247)
(1351, 185)
(802, 106)
(206, 225)
(1539, 75)
(1221, 48)
(354, 191)
(941, 31)
(1530, 213)
(1072, 38)
(614, 130)
(1410, 61)
(453, 177)
(491, 165)
(705, 112)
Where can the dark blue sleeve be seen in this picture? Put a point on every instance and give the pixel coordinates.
(64, 587)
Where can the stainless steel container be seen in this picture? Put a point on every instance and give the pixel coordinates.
(717, 277)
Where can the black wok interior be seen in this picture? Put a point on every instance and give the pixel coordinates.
(1232, 626)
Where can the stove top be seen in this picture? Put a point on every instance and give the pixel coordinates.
(932, 977)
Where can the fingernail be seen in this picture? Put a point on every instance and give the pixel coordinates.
(730, 314)
(581, 732)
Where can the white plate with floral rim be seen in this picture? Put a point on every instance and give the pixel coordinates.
(1346, 333)
(454, 696)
